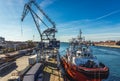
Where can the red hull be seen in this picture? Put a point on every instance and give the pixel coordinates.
(74, 73)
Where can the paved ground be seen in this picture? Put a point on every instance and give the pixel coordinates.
(21, 62)
(51, 73)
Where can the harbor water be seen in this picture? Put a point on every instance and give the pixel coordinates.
(109, 56)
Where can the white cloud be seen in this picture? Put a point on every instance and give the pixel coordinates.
(10, 15)
(13, 32)
(65, 38)
(95, 31)
(11, 10)
(106, 15)
(46, 3)
(92, 37)
(103, 36)
(12, 2)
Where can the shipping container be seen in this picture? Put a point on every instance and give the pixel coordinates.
(33, 73)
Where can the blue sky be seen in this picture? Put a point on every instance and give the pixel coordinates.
(98, 19)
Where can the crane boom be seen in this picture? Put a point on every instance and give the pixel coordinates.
(28, 9)
(44, 14)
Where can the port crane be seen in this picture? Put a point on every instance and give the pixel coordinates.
(49, 33)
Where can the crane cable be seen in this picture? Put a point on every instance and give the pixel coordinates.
(37, 16)
(21, 29)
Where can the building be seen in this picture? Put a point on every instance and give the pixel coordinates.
(110, 42)
(2, 40)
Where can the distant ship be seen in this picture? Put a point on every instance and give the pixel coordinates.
(80, 64)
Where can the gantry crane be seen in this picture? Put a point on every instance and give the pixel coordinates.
(49, 33)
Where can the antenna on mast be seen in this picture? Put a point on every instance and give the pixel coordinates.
(80, 33)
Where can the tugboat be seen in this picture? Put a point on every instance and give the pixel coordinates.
(80, 64)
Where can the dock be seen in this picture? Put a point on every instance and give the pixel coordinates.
(109, 46)
(51, 72)
(21, 62)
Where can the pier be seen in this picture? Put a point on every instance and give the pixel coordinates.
(51, 71)
(110, 46)
(21, 63)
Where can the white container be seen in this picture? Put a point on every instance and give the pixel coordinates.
(47, 57)
(32, 59)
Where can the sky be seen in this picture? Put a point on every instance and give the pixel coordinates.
(99, 20)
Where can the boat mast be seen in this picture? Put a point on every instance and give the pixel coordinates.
(80, 36)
